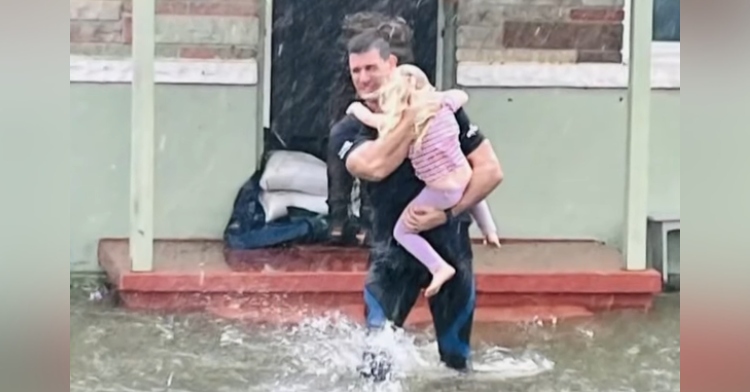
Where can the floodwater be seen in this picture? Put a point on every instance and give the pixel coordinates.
(119, 351)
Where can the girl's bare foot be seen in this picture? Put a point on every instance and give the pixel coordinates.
(439, 278)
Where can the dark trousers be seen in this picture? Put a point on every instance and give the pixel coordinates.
(395, 281)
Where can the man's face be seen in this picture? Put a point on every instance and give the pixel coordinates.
(368, 71)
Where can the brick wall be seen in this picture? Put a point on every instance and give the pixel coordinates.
(555, 31)
(226, 29)
(549, 31)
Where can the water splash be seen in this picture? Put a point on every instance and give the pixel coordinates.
(324, 354)
(120, 351)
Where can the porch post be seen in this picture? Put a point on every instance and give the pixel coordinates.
(264, 77)
(440, 53)
(142, 138)
(639, 121)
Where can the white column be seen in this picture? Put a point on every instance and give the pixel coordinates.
(639, 122)
(142, 142)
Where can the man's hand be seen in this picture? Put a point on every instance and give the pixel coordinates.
(419, 219)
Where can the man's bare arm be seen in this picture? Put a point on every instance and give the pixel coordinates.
(377, 159)
(487, 174)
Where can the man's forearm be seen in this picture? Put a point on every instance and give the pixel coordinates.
(379, 158)
(393, 145)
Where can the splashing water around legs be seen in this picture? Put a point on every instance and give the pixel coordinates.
(113, 350)
(376, 366)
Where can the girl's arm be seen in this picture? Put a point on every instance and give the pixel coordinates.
(482, 214)
(362, 113)
(455, 98)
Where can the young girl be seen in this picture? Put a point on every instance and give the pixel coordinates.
(435, 154)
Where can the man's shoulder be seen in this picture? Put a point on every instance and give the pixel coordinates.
(347, 125)
(345, 135)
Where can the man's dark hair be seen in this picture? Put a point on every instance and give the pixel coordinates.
(363, 27)
(368, 40)
(394, 30)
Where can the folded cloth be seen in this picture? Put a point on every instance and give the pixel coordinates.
(248, 227)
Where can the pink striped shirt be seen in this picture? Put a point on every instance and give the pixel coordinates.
(440, 152)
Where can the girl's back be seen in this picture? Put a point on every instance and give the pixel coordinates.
(439, 154)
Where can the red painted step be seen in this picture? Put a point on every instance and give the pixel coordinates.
(523, 280)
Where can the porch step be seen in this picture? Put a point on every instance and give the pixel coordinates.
(526, 279)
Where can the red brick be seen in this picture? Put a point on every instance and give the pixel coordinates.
(96, 31)
(201, 7)
(217, 52)
(598, 14)
(127, 30)
(208, 7)
(173, 7)
(599, 56)
(560, 35)
(199, 52)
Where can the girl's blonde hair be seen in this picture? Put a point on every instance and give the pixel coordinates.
(408, 86)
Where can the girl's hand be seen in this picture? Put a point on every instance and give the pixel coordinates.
(354, 107)
(492, 240)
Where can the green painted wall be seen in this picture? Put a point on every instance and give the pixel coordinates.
(563, 152)
(205, 150)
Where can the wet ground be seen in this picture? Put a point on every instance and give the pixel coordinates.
(119, 351)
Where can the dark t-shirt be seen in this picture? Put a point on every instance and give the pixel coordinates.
(390, 197)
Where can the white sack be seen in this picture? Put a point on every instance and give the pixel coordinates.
(295, 171)
(276, 203)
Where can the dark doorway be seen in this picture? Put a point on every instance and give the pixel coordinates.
(309, 80)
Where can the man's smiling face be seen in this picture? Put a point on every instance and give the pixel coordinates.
(368, 71)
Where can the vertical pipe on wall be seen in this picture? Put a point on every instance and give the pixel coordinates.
(639, 121)
(142, 138)
(448, 11)
(264, 78)
(626, 31)
(267, 60)
(440, 53)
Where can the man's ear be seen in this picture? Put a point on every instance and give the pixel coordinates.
(392, 61)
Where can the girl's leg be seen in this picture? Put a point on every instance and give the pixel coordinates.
(419, 247)
(482, 214)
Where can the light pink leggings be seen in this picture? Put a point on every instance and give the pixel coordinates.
(441, 199)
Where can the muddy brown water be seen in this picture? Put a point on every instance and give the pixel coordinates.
(112, 349)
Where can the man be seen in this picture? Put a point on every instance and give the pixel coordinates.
(345, 230)
(395, 278)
